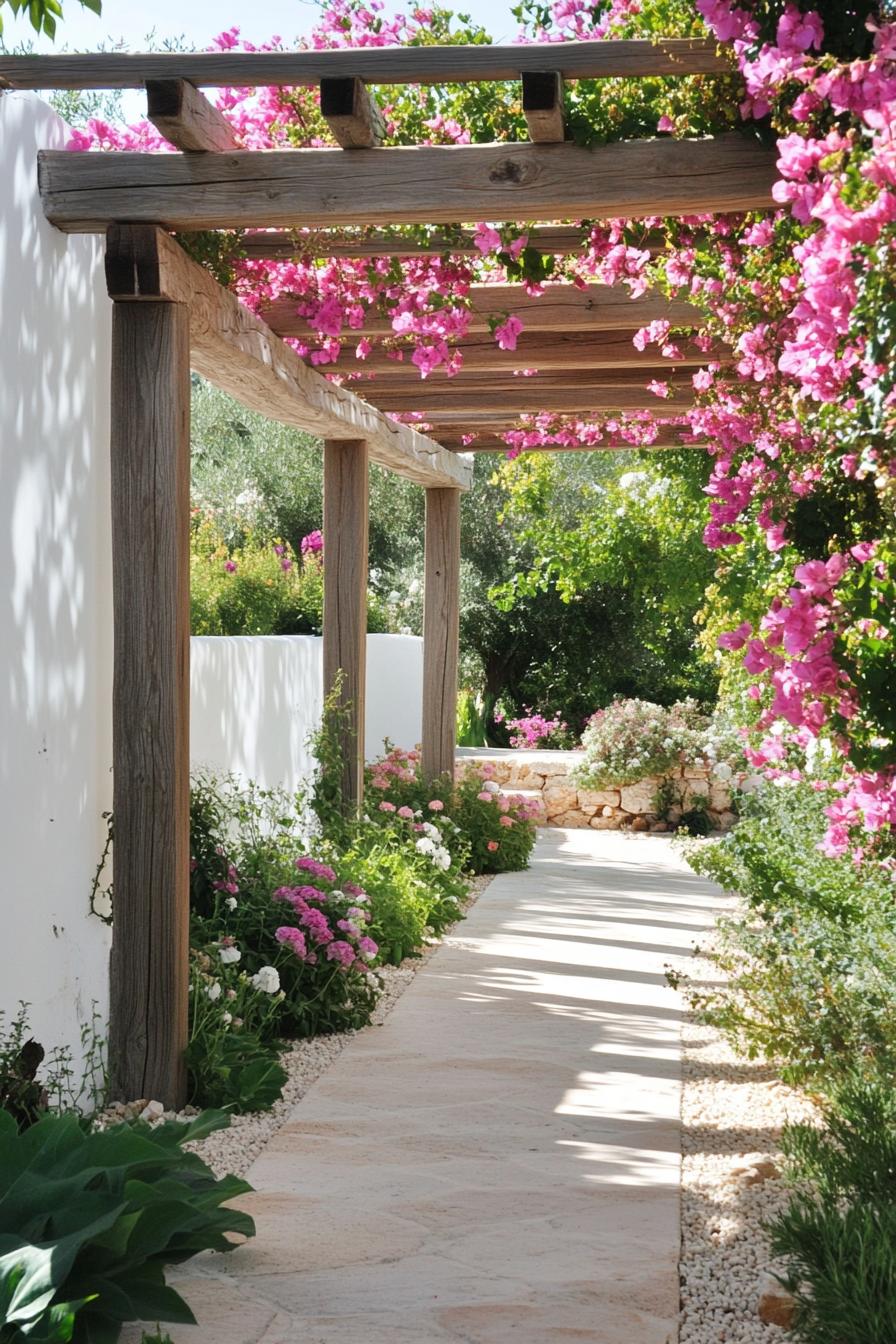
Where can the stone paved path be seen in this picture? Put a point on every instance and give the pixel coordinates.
(500, 1161)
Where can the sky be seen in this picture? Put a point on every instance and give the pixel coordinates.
(197, 21)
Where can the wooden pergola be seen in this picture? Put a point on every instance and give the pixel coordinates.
(170, 315)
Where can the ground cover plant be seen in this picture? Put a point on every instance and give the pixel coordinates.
(89, 1220)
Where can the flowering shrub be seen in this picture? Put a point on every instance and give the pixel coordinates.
(634, 739)
(499, 827)
(471, 819)
(231, 1058)
(534, 730)
(260, 586)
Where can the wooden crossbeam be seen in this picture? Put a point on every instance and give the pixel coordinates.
(351, 113)
(186, 118)
(561, 350)
(543, 105)
(375, 65)
(429, 184)
(275, 245)
(508, 385)
(235, 350)
(490, 443)
(561, 308)
(454, 405)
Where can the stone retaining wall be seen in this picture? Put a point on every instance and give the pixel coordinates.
(545, 774)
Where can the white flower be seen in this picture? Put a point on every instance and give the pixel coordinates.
(432, 831)
(405, 630)
(267, 980)
(214, 991)
(442, 859)
(394, 596)
(227, 1018)
(231, 902)
(372, 980)
(425, 845)
(229, 955)
(414, 587)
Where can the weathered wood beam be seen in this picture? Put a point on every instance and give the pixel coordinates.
(345, 602)
(236, 351)
(506, 384)
(351, 113)
(428, 184)
(543, 106)
(560, 350)
(491, 443)
(560, 307)
(375, 65)
(186, 118)
(150, 700)
(452, 405)
(441, 614)
(274, 244)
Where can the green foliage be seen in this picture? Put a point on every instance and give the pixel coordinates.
(89, 1220)
(43, 15)
(500, 831)
(232, 1054)
(838, 1235)
(811, 972)
(32, 1082)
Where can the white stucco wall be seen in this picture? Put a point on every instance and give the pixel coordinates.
(255, 699)
(55, 593)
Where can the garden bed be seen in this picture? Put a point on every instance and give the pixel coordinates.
(546, 776)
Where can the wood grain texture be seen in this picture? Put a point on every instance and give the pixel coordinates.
(150, 700)
(451, 405)
(543, 106)
(345, 599)
(274, 244)
(487, 443)
(186, 118)
(236, 351)
(507, 383)
(441, 616)
(349, 109)
(560, 308)
(396, 65)
(428, 184)
(559, 351)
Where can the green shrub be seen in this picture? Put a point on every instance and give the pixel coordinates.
(232, 1058)
(810, 973)
(88, 1222)
(634, 739)
(838, 1235)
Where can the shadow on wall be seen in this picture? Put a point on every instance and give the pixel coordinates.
(255, 699)
(56, 597)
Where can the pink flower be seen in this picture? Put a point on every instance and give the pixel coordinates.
(484, 796)
(387, 807)
(292, 938)
(436, 805)
(507, 333)
(342, 952)
(492, 846)
(505, 821)
(406, 813)
(230, 566)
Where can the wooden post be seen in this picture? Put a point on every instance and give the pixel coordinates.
(150, 700)
(441, 613)
(345, 597)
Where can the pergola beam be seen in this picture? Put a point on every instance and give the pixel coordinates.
(275, 245)
(375, 65)
(543, 106)
(186, 118)
(430, 184)
(560, 308)
(455, 405)
(237, 352)
(441, 616)
(490, 443)
(561, 351)
(351, 113)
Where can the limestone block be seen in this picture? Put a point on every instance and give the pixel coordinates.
(726, 820)
(719, 797)
(574, 819)
(696, 788)
(548, 767)
(559, 798)
(638, 797)
(595, 798)
(640, 823)
(524, 776)
(694, 772)
(608, 811)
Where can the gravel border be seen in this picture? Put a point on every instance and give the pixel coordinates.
(233, 1150)
(733, 1111)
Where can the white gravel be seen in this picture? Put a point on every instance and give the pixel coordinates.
(732, 1109)
(236, 1148)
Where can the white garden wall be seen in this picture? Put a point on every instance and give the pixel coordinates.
(55, 593)
(255, 699)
